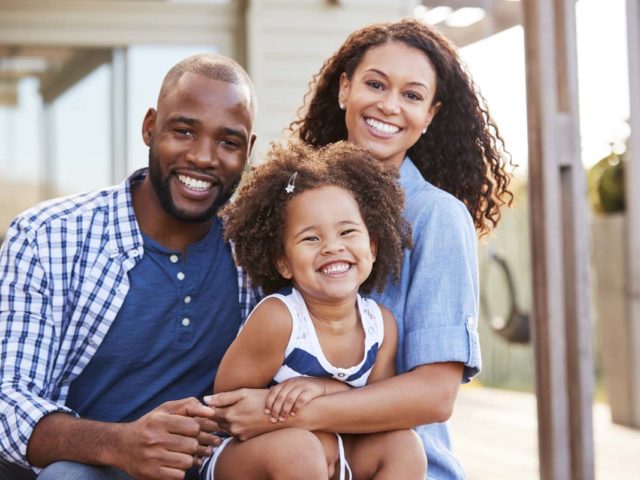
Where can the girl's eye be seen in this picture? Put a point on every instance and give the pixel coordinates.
(310, 238)
(348, 231)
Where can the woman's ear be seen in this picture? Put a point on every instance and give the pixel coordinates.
(345, 88)
(282, 265)
(374, 249)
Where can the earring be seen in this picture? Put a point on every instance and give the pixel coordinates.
(341, 104)
(425, 130)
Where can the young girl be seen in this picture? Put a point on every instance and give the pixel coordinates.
(316, 226)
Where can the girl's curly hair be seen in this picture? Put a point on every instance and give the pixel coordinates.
(255, 222)
(462, 153)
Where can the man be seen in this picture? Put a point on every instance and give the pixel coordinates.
(115, 303)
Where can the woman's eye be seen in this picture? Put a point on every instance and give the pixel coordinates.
(413, 96)
(375, 85)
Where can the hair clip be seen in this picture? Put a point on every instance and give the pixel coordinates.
(290, 186)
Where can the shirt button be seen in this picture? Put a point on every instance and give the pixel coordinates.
(173, 258)
(469, 321)
(186, 322)
(180, 276)
(341, 374)
(135, 253)
(187, 299)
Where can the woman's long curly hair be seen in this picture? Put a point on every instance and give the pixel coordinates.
(462, 152)
(255, 222)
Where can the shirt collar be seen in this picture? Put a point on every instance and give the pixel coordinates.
(124, 232)
(411, 180)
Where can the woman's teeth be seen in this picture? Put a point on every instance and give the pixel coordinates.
(382, 127)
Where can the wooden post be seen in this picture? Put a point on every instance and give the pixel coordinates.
(632, 191)
(119, 90)
(560, 260)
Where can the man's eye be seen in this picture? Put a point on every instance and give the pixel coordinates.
(229, 143)
(184, 132)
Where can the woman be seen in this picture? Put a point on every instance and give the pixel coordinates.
(400, 90)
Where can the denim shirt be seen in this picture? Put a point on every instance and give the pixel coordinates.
(436, 300)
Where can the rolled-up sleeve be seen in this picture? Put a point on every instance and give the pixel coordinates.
(28, 344)
(441, 310)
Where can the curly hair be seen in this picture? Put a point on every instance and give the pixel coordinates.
(255, 222)
(462, 153)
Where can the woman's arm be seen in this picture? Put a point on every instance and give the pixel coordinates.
(423, 395)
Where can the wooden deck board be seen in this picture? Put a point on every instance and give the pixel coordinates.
(494, 435)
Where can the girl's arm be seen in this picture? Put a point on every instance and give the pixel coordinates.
(258, 351)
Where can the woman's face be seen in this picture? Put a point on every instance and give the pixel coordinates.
(389, 100)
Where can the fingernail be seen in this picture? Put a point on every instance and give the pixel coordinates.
(208, 399)
(273, 419)
(282, 419)
(267, 411)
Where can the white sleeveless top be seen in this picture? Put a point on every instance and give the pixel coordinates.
(304, 356)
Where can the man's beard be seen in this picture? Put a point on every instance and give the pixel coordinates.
(163, 192)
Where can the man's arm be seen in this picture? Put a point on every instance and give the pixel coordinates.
(160, 445)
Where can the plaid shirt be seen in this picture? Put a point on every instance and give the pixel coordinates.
(63, 279)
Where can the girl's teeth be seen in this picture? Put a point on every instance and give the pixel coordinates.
(336, 268)
(194, 183)
(382, 127)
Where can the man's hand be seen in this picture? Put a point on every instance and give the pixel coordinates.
(241, 412)
(167, 441)
(288, 397)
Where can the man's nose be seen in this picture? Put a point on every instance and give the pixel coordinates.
(202, 153)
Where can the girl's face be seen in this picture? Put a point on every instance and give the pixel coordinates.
(389, 100)
(327, 250)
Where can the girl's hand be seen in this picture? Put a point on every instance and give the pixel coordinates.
(288, 397)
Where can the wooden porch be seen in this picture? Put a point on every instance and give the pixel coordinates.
(495, 437)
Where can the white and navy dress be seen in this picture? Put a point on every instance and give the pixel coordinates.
(304, 356)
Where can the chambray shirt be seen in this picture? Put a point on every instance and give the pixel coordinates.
(436, 301)
(63, 278)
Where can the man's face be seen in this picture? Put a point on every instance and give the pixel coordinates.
(199, 143)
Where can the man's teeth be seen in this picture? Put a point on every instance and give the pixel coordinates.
(193, 183)
(336, 268)
(382, 127)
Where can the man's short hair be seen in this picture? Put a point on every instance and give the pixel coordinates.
(213, 66)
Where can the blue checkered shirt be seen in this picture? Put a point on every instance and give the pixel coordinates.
(63, 279)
